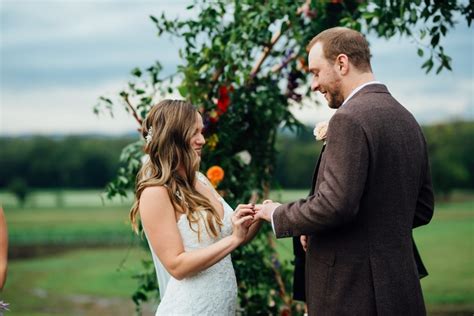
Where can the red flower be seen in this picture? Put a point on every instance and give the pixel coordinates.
(285, 312)
(223, 104)
(224, 99)
(223, 91)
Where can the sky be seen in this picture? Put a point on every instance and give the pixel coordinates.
(58, 57)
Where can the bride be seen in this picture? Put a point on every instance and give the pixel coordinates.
(190, 229)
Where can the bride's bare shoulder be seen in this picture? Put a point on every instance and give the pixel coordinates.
(155, 193)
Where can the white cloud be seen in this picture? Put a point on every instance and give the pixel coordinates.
(64, 21)
(61, 110)
(57, 57)
(433, 101)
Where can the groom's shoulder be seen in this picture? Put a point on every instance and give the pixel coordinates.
(371, 92)
(373, 100)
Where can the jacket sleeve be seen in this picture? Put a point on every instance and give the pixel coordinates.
(425, 202)
(336, 201)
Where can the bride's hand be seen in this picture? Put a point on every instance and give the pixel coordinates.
(241, 220)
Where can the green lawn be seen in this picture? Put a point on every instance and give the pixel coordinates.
(106, 225)
(76, 218)
(66, 198)
(97, 281)
(447, 247)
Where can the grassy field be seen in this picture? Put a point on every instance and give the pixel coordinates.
(447, 246)
(97, 280)
(80, 282)
(67, 218)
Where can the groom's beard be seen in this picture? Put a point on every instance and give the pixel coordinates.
(336, 98)
(333, 91)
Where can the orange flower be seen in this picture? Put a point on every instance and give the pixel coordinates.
(215, 174)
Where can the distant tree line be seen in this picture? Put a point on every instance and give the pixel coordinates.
(80, 162)
(451, 148)
(59, 162)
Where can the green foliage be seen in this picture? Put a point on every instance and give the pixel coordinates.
(130, 164)
(243, 66)
(426, 22)
(19, 187)
(147, 283)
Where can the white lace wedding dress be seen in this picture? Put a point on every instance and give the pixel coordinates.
(210, 292)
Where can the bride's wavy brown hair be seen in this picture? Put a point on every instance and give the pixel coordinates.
(173, 124)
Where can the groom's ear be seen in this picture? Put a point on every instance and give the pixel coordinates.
(342, 64)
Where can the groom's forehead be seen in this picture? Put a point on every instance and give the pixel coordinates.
(316, 54)
(316, 60)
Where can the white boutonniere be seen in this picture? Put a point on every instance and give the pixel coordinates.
(321, 131)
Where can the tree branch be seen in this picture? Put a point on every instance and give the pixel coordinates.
(278, 67)
(281, 285)
(217, 74)
(134, 112)
(266, 50)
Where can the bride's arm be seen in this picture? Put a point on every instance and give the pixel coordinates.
(159, 222)
(3, 249)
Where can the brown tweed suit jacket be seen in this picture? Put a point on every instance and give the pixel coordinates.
(373, 186)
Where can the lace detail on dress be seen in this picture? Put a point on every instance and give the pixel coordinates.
(209, 292)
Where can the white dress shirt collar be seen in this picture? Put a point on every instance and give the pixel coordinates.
(358, 89)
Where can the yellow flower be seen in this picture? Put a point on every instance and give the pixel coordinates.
(215, 174)
(212, 141)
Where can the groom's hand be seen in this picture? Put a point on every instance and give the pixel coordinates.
(304, 242)
(264, 211)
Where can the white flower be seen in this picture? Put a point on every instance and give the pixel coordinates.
(3, 307)
(321, 130)
(244, 156)
(149, 136)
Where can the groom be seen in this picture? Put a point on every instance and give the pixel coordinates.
(373, 186)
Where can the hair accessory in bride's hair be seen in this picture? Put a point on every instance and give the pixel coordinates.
(149, 135)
